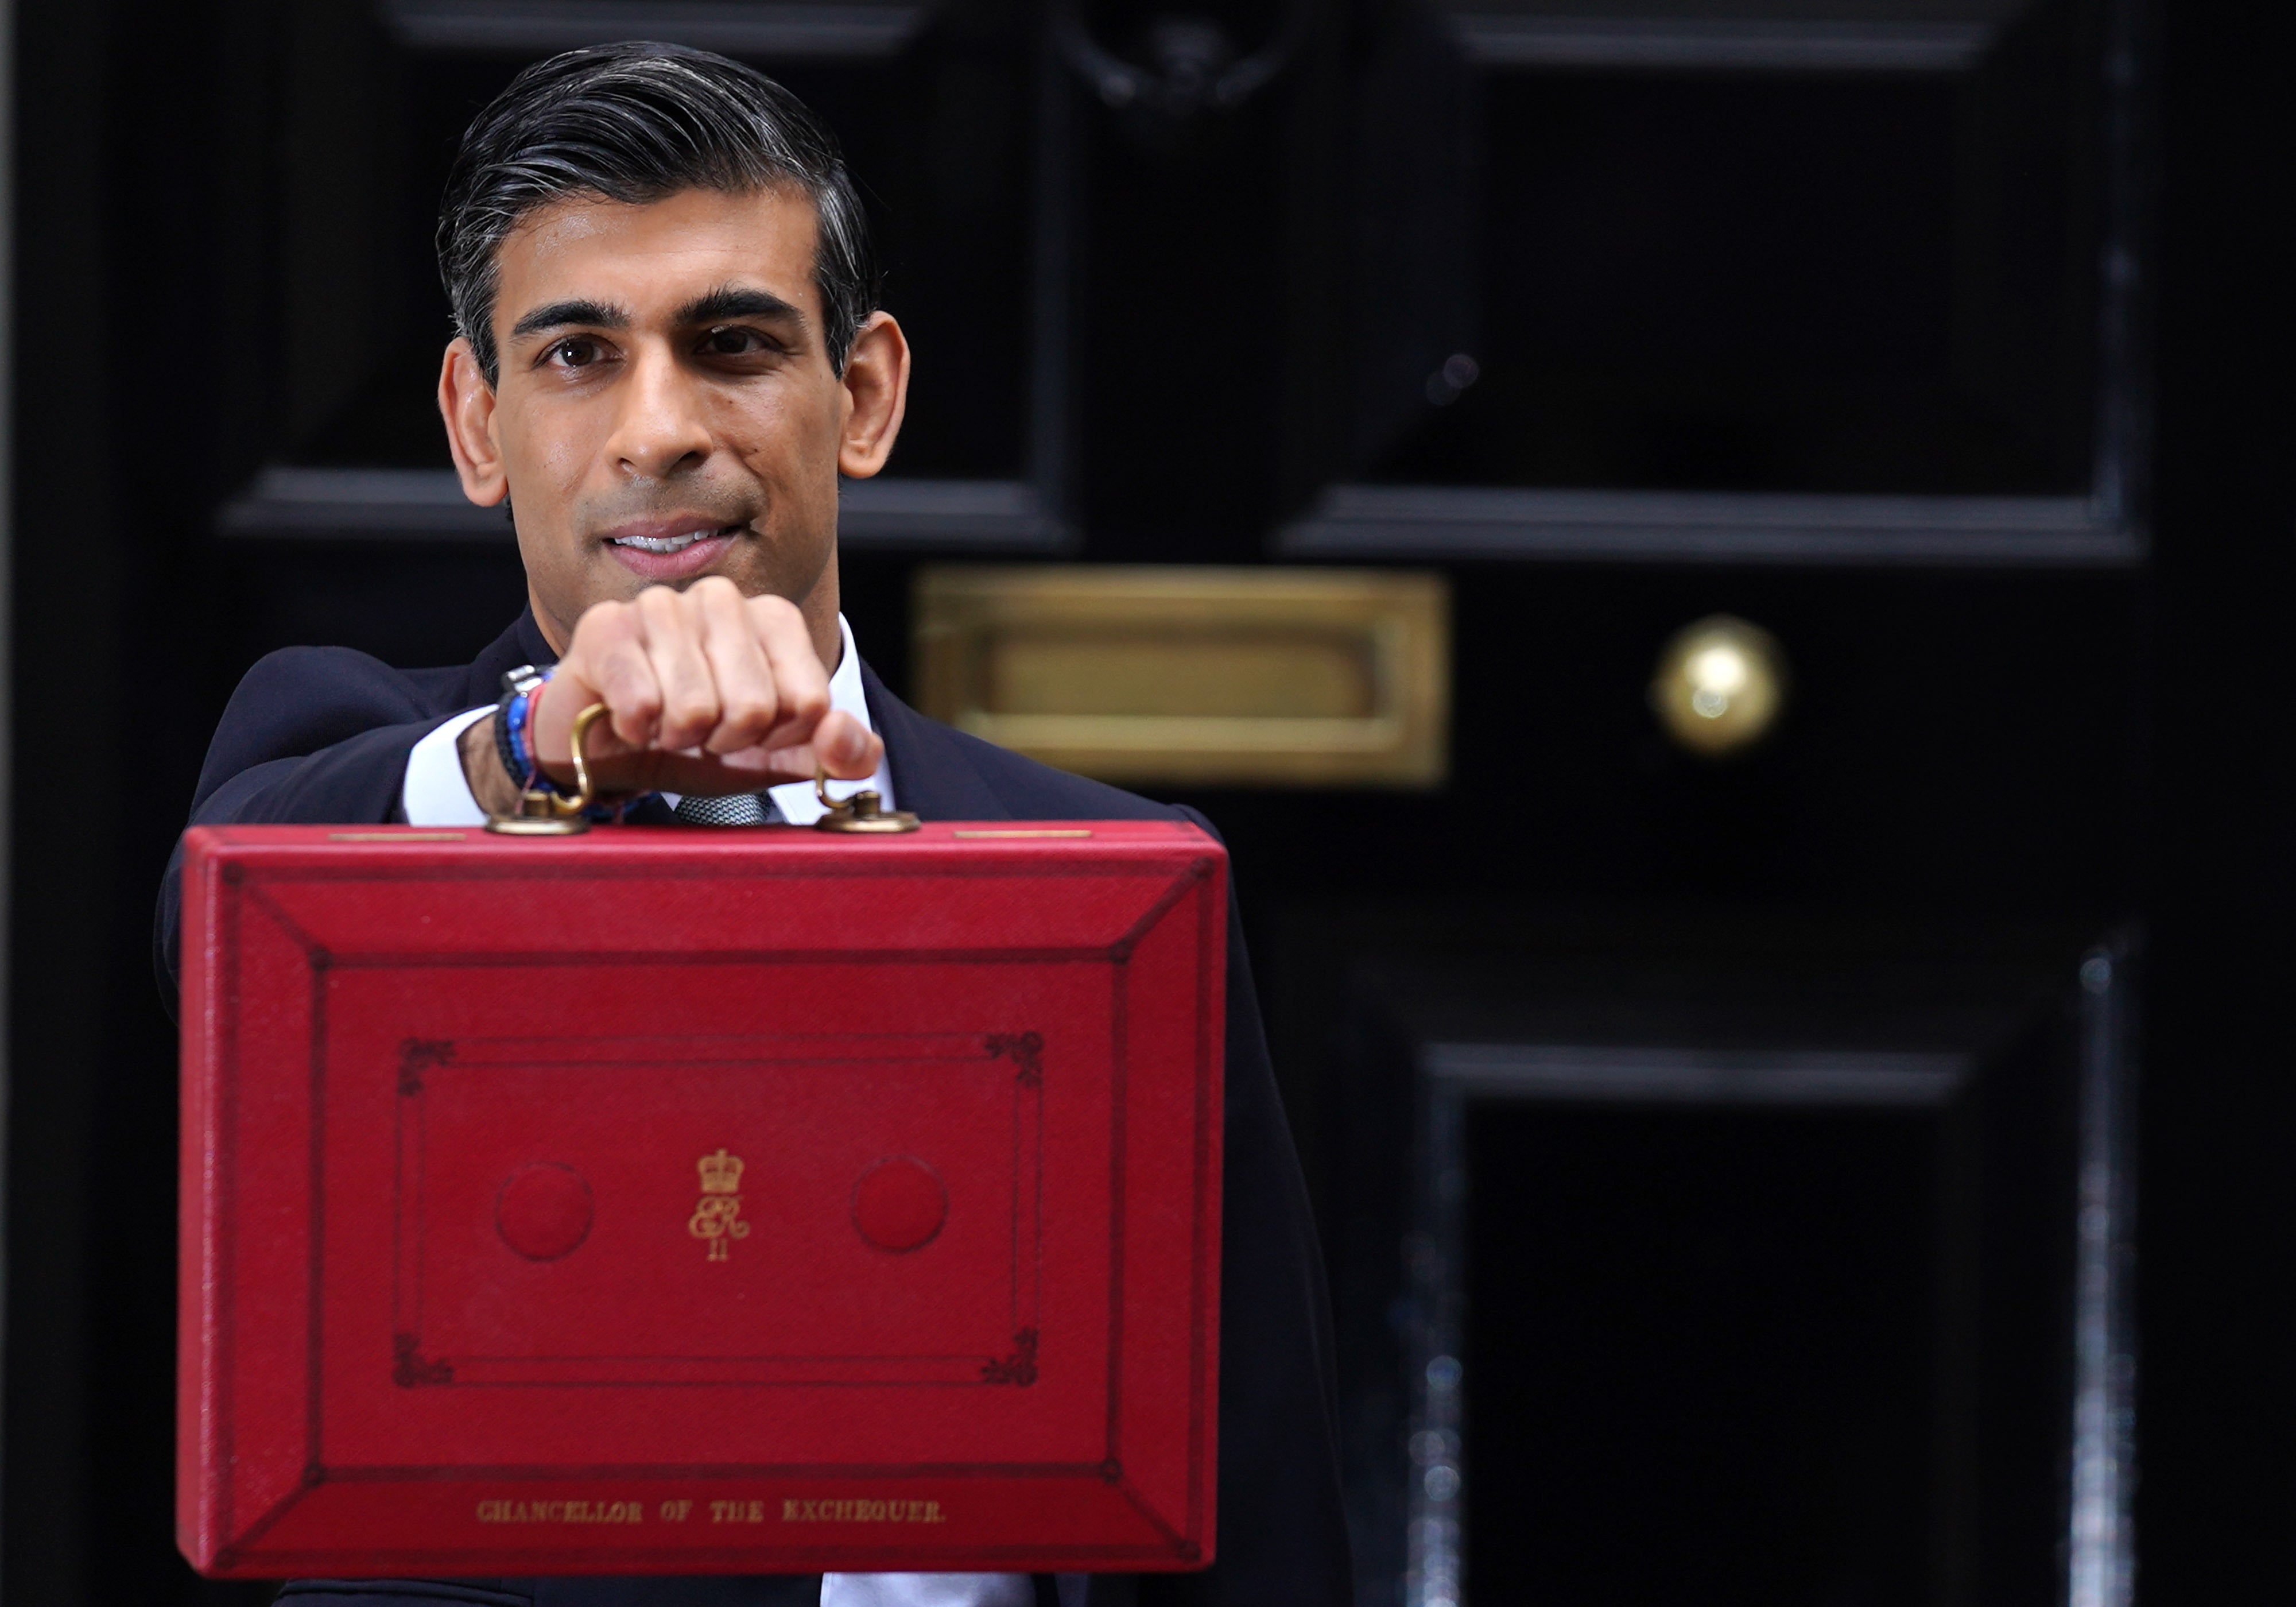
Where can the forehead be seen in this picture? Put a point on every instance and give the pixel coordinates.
(656, 256)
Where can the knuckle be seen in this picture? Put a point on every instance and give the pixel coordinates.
(624, 646)
(628, 685)
(810, 704)
(685, 700)
(632, 719)
(602, 623)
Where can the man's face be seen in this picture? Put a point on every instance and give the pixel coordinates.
(665, 407)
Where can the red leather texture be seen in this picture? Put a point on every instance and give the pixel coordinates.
(677, 1200)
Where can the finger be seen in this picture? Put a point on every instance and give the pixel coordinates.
(800, 682)
(747, 701)
(673, 644)
(706, 775)
(606, 662)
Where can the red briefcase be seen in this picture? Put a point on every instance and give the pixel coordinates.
(660, 1200)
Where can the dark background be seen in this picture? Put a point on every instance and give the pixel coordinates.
(1973, 751)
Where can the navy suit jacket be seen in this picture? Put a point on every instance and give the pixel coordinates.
(322, 734)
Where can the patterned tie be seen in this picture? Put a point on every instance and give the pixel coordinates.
(737, 809)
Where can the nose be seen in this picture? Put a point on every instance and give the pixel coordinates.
(661, 428)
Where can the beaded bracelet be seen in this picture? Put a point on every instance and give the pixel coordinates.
(516, 730)
(519, 724)
(514, 722)
(505, 754)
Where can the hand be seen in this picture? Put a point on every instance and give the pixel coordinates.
(707, 693)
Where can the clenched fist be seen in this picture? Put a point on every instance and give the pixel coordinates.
(707, 693)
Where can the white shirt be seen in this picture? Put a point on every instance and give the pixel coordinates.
(437, 793)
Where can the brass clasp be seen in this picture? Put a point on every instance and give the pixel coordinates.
(543, 810)
(862, 812)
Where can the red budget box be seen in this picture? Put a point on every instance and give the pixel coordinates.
(677, 1200)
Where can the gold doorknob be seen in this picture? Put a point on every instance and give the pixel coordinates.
(1720, 685)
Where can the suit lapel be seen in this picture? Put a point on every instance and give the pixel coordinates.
(933, 776)
(521, 643)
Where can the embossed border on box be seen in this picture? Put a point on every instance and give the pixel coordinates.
(422, 1060)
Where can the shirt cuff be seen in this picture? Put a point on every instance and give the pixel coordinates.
(436, 791)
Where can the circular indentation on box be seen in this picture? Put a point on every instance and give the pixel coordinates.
(900, 1204)
(542, 1211)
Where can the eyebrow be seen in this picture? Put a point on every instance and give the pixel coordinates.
(559, 314)
(726, 301)
(736, 301)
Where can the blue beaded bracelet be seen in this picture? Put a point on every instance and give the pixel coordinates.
(522, 710)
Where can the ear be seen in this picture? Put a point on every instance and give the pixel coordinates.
(466, 402)
(876, 395)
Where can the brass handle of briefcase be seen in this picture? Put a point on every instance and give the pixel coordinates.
(865, 811)
(544, 811)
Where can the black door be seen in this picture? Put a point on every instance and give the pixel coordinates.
(1724, 1117)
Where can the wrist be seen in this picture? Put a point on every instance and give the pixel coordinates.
(491, 787)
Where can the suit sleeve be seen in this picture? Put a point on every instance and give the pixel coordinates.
(1283, 1533)
(315, 735)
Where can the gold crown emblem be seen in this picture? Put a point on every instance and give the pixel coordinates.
(721, 1174)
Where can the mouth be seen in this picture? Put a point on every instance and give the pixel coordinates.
(671, 549)
(668, 543)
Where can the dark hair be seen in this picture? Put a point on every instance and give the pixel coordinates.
(635, 123)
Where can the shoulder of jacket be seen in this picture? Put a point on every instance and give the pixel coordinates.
(312, 678)
(299, 699)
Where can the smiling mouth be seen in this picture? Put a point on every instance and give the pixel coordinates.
(672, 543)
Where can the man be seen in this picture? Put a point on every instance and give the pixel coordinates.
(669, 351)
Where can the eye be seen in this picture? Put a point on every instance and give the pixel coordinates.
(576, 351)
(732, 340)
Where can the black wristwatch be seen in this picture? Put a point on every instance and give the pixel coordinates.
(525, 678)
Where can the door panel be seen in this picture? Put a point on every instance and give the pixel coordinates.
(1825, 315)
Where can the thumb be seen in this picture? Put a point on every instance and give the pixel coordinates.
(841, 746)
(845, 748)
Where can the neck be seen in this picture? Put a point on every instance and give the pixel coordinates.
(820, 610)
